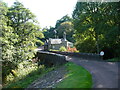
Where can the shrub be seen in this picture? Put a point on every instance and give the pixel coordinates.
(72, 49)
(62, 49)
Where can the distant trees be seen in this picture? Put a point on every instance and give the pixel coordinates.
(62, 25)
(49, 32)
(19, 32)
(97, 26)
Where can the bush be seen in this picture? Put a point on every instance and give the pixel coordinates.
(23, 69)
(62, 49)
(72, 49)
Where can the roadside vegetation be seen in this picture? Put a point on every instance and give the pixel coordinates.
(90, 28)
(63, 49)
(26, 73)
(19, 34)
(114, 60)
(77, 77)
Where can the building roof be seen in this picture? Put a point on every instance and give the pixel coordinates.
(55, 41)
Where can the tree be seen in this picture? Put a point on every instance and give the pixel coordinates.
(62, 25)
(19, 32)
(49, 32)
(63, 19)
(93, 24)
(24, 25)
(7, 38)
(65, 25)
(87, 16)
(68, 28)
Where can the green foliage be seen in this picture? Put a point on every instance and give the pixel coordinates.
(77, 77)
(65, 18)
(113, 60)
(67, 27)
(62, 49)
(62, 25)
(96, 26)
(24, 68)
(49, 33)
(19, 32)
(26, 74)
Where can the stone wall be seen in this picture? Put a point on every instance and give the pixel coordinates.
(50, 59)
(84, 56)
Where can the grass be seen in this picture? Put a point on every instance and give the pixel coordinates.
(26, 75)
(77, 77)
(114, 60)
(24, 82)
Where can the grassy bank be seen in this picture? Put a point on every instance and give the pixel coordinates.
(77, 77)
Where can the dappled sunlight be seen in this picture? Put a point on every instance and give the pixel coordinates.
(24, 68)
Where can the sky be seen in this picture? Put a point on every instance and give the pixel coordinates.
(48, 11)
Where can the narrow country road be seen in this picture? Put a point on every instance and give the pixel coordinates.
(104, 74)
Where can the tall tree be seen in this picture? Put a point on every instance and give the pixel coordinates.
(19, 32)
(63, 19)
(8, 38)
(68, 28)
(92, 21)
(62, 25)
(65, 24)
(24, 24)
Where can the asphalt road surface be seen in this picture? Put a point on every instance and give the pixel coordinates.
(104, 74)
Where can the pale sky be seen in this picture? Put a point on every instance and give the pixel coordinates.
(48, 11)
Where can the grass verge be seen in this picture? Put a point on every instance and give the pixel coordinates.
(114, 60)
(77, 77)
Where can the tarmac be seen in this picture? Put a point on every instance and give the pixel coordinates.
(104, 74)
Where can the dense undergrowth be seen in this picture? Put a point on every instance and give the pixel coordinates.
(26, 73)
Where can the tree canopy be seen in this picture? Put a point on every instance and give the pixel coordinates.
(96, 26)
(19, 31)
(64, 24)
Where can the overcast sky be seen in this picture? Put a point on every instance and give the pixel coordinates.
(48, 11)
